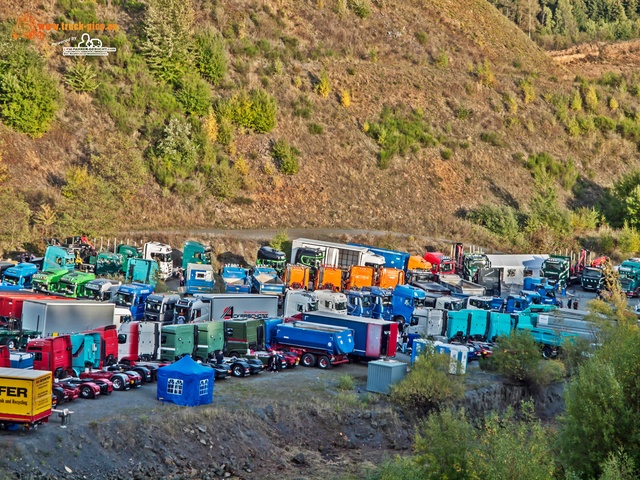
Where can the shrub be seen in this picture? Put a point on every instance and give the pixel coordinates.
(303, 107)
(345, 382)
(175, 156)
(516, 356)
(362, 8)
(340, 7)
(225, 131)
(576, 101)
(604, 124)
(442, 60)
(446, 153)
(501, 220)
(345, 98)
(323, 87)
(586, 124)
(462, 113)
(285, 156)
(194, 94)
(511, 103)
(628, 239)
(81, 77)
(629, 129)
(573, 127)
(585, 219)
(28, 95)
(492, 138)
(421, 37)
(528, 91)
(210, 126)
(613, 104)
(211, 56)
(591, 98)
(484, 74)
(279, 241)
(428, 385)
(255, 110)
(315, 129)
(224, 180)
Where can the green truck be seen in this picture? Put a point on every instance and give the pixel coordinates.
(200, 340)
(629, 272)
(243, 335)
(557, 270)
(49, 280)
(73, 284)
(472, 262)
(592, 278)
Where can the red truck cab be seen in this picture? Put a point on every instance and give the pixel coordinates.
(52, 354)
(440, 263)
(108, 344)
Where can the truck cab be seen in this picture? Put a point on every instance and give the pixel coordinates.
(472, 262)
(49, 280)
(448, 303)
(270, 257)
(161, 253)
(440, 263)
(142, 270)
(235, 280)
(138, 341)
(299, 301)
(73, 284)
(330, 301)
(629, 272)
(359, 303)
(592, 278)
(20, 275)
(359, 277)
(52, 354)
(478, 303)
(133, 296)
(128, 252)
(195, 252)
(161, 307)
(101, 289)
(405, 300)
(190, 309)
(556, 269)
(199, 278)
(58, 257)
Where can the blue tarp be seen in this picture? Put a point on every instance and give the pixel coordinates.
(185, 383)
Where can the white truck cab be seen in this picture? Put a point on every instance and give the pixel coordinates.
(160, 252)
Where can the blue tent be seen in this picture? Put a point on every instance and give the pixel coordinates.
(185, 383)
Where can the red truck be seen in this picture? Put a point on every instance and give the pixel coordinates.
(11, 303)
(108, 344)
(440, 263)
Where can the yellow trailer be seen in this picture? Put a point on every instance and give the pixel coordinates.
(25, 397)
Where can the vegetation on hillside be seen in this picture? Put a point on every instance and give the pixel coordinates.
(558, 23)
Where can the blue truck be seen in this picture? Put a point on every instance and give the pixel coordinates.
(235, 279)
(317, 344)
(199, 279)
(85, 350)
(537, 284)
(133, 296)
(266, 280)
(19, 275)
(373, 338)
(360, 303)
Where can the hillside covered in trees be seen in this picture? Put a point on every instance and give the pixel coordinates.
(429, 117)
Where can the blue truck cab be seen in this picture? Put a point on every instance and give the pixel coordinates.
(359, 303)
(133, 296)
(266, 280)
(199, 278)
(235, 279)
(19, 275)
(404, 301)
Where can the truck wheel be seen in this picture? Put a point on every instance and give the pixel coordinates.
(234, 354)
(58, 373)
(547, 351)
(324, 363)
(110, 360)
(86, 392)
(12, 343)
(237, 371)
(308, 360)
(118, 384)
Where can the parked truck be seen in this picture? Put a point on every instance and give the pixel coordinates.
(373, 338)
(296, 277)
(459, 286)
(19, 275)
(557, 270)
(56, 317)
(25, 397)
(73, 284)
(235, 279)
(133, 296)
(297, 301)
(199, 279)
(265, 280)
(359, 277)
(138, 341)
(161, 307)
(195, 252)
(316, 344)
(592, 278)
(629, 272)
(331, 301)
(48, 281)
(101, 289)
(192, 309)
(229, 306)
(56, 257)
(161, 253)
(271, 258)
(142, 270)
(440, 263)
(338, 254)
(328, 278)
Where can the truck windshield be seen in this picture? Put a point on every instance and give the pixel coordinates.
(161, 257)
(124, 299)
(422, 277)
(341, 305)
(476, 264)
(626, 274)
(67, 288)
(386, 301)
(366, 302)
(453, 306)
(592, 273)
(153, 306)
(10, 279)
(446, 268)
(92, 293)
(312, 306)
(419, 302)
(482, 304)
(626, 284)
(553, 267)
(182, 312)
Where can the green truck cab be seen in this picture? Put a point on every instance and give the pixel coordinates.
(629, 272)
(49, 280)
(557, 270)
(472, 262)
(73, 284)
(592, 278)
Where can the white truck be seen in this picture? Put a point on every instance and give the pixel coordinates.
(427, 322)
(101, 289)
(58, 317)
(456, 284)
(338, 254)
(227, 306)
(300, 301)
(161, 253)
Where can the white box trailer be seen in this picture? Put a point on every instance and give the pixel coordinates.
(339, 254)
(58, 317)
(227, 306)
(513, 267)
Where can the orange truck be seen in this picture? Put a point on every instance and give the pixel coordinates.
(390, 277)
(359, 277)
(328, 278)
(296, 276)
(25, 397)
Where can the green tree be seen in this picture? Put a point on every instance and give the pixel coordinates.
(211, 56)
(14, 229)
(176, 155)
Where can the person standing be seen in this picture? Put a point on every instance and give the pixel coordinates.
(405, 341)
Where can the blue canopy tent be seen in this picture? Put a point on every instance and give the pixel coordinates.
(185, 383)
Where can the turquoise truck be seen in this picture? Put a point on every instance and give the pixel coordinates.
(195, 252)
(629, 272)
